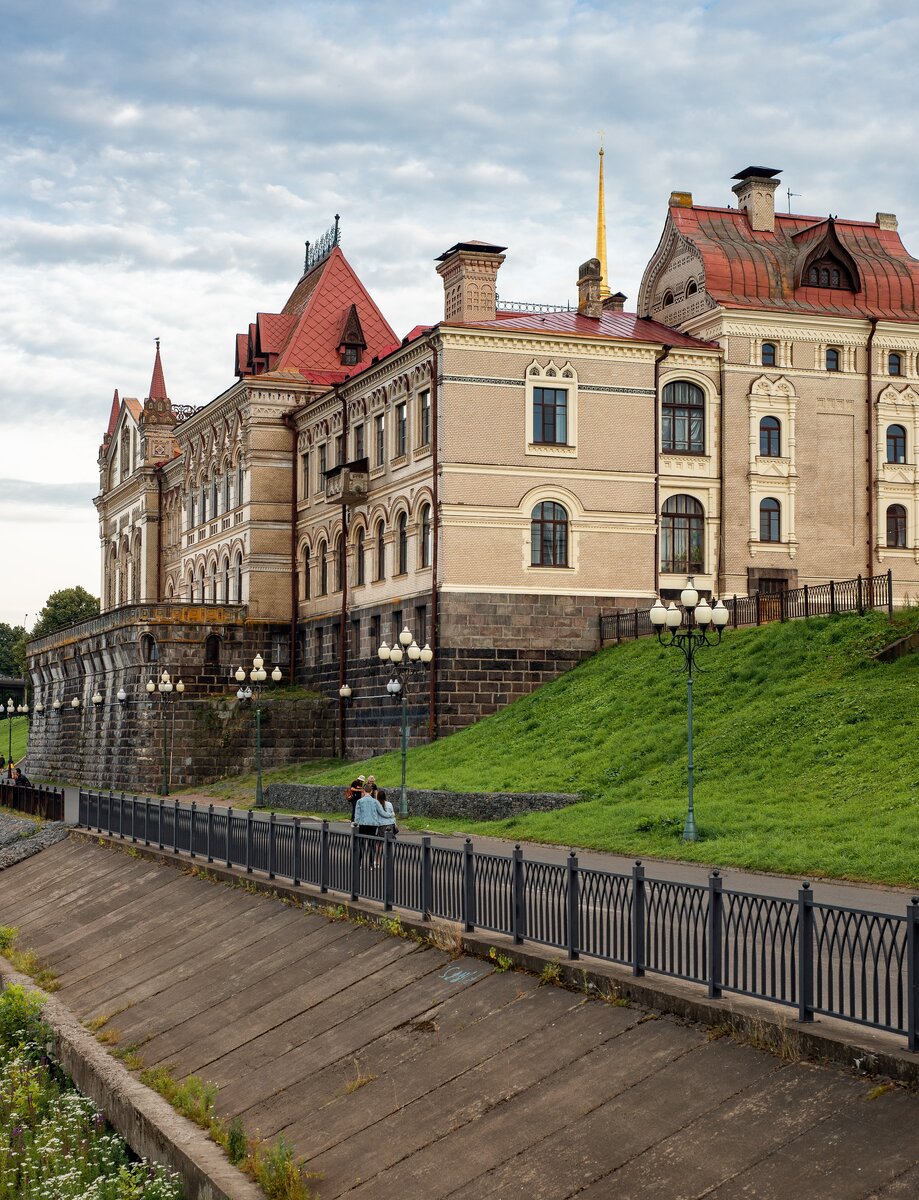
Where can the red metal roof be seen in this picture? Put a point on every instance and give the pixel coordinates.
(273, 331)
(612, 325)
(760, 269)
(157, 383)
(113, 415)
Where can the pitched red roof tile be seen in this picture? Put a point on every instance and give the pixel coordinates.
(612, 325)
(113, 415)
(273, 330)
(157, 383)
(745, 268)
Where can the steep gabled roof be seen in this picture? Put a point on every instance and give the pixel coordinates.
(306, 335)
(113, 415)
(746, 268)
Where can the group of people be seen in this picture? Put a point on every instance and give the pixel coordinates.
(371, 812)
(13, 773)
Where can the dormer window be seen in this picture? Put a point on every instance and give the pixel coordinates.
(691, 288)
(352, 343)
(667, 300)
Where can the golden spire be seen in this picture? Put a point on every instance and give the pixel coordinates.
(601, 231)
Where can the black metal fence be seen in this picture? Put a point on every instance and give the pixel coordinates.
(820, 600)
(848, 963)
(39, 801)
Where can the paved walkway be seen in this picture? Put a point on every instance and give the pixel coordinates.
(400, 1073)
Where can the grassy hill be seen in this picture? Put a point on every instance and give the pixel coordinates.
(19, 735)
(807, 753)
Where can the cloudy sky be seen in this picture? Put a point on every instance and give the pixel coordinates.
(163, 164)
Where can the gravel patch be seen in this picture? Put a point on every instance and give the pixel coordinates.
(27, 842)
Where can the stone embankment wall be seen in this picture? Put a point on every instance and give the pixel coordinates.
(473, 806)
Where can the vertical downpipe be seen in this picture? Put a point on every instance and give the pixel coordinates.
(869, 438)
(288, 420)
(657, 469)
(435, 539)
(343, 626)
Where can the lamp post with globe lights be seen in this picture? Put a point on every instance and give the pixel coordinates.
(697, 625)
(403, 657)
(253, 691)
(164, 688)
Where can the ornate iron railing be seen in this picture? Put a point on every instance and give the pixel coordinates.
(503, 305)
(849, 963)
(322, 247)
(817, 600)
(184, 412)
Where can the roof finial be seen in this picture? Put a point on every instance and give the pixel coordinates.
(157, 340)
(335, 239)
(601, 229)
(306, 258)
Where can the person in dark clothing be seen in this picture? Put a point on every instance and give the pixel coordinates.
(353, 793)
(21, 780)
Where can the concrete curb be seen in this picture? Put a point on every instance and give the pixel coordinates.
(147, 1122)
(853, 1047)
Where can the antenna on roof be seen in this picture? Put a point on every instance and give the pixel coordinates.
(790, 193)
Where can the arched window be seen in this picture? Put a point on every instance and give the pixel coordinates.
(549, 535)
(239, 577)
(201, 584)
(896, 444)
(402, 544)
(190, 583)
(683, 419)
(225, 572)
(426, 542)
(830, 272)
(691, 288)
(683, 536)
(339, 563)
(150, 651)
(203, 501)
(770, 437)
(770, 513)
(215, 493)
(214, 582)
(227, 491)
(380, 551)
(306, 573)
(894, 364)
(896, 527)
(767, 355)
(832, 358)
(360, 555)
(323, 569)
(212, 649)
(240, 478)
(668, 299)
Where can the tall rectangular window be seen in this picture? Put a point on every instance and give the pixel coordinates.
(339, 449)
(396, 626)
(304, 475)
(379, 437)
(359, 441)
(550, 416)
(401, 426)
(424, 418)
(320, 482)
(421, 624)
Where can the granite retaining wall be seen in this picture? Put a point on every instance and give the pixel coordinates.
(474, 806)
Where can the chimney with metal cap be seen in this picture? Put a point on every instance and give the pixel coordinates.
(756, 196)
(589, 279)
(469, 271)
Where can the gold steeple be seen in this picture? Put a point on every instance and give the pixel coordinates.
(601, 232)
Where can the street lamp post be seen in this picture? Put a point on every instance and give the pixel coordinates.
(10, 709)
(164, 687)
(258, 675)
(700, 620)
(403, 657)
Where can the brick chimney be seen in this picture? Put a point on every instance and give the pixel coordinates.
(756, 196)
(469, 271)
(615, 303)
(589, 280)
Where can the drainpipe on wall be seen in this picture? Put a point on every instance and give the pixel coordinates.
(435, 557)
(159, 532)
(657, 468)
(288, 420)
(869, 438)
(719, 562)
(343, 627)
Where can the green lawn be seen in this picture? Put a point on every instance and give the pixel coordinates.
(807, 755)
(20, 737)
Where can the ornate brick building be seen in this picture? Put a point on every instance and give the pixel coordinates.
(509, 471)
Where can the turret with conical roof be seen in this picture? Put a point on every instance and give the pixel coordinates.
(157, 406)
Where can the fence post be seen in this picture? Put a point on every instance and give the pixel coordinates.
(98, 812)
(468, 887)
(388, 869)
(175, 827)
(833, 596)
(715, 914)
(355, 862)
(324, 857)
(783, 614)
(146, 821)
(210, 833)
(427, 879)
(191, 828)
(756, 599)
(861, 599)
(735, 610)
(272, 843)
(520, 903)
(638, 918)
(574, 907)
(229, 835)
(890, 595)
(249, 820)
(295, 865)
(912, 973)
(807, 602)
(159, 825)
(805, 953)
(121, 815)
(618, 631)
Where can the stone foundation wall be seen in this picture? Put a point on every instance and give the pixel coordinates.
(473, 806)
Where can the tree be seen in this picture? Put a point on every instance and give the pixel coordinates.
(9, 636)
(64, 608)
